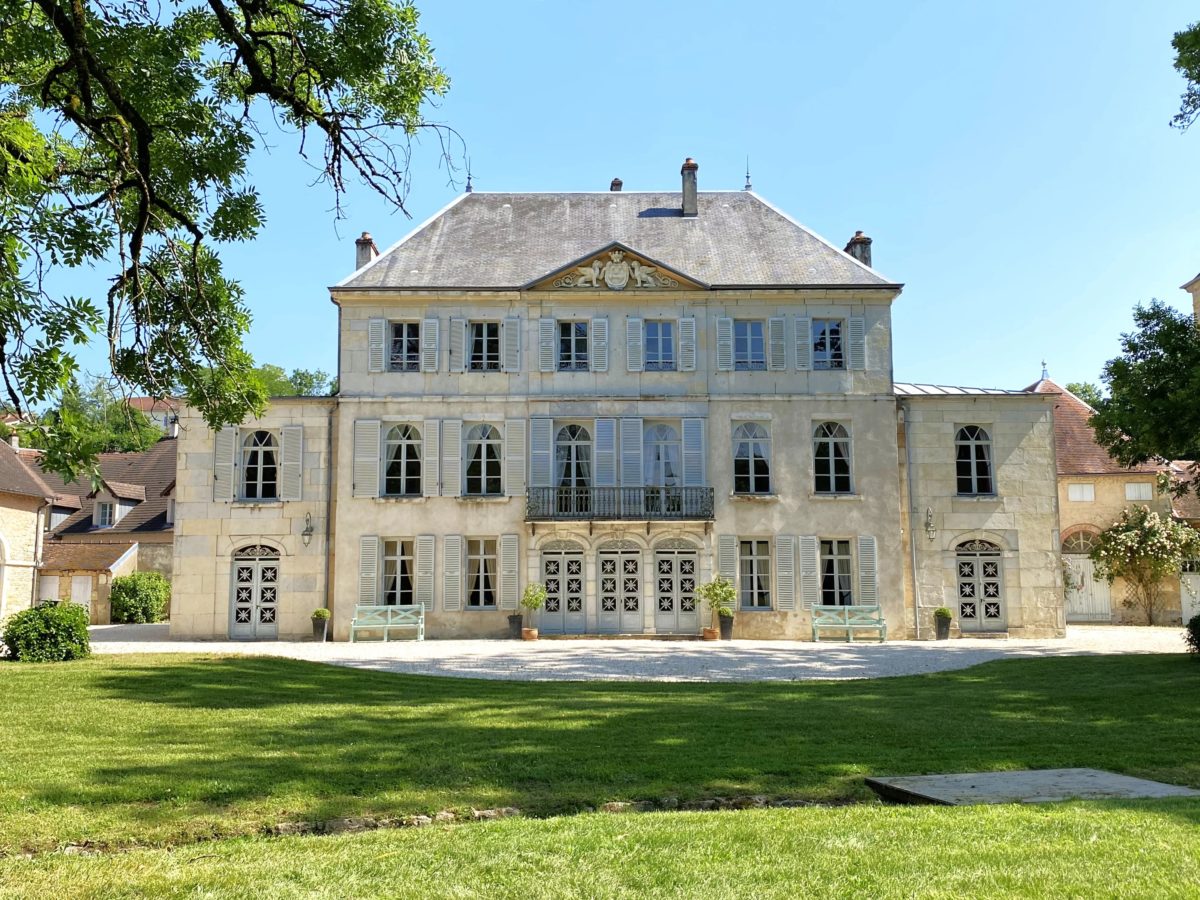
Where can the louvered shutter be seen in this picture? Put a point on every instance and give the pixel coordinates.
(510, 338)
(868, 592)
(366, 457)
(725, 344)
(546, 345)
(376, 345)
(224, 469)
(687, 344)
(776, 345)
(368, 570)
(631, 453)
(803, 343)
(458, 345)
(452, 453)
(541, 451)
(452, 555)
(509, 581)
(514, 457)
(693, 452)
(858, 343)
(606, 453)
(599, 348)
(810, 583)
(634, 349)
(424, 561)
(291, 467)
(727, 547)
(430, 345)
(431, 458)
(785, 572)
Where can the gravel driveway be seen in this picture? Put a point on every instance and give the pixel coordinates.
(648, 660)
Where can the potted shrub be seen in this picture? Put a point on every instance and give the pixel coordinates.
(320, 622)
(941, 619)
(533, 599)
(720, 597)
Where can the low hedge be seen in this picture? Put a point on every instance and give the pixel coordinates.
(140, 597)
(49, 633)
(1191, 635)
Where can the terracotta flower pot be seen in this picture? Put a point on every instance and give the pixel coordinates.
(710, 634)
(529, 634)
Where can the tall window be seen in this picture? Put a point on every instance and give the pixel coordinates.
(661, 457)
(483, 462)
(260, 466)
(749, 344)
(398, 573)
(573, 469)
(573, 346)
(751, 459)
(481, 573)
(660, 346)
(973, 462)
(402, 462)
(827, 344)
(485, 347)
(406, 347)
(836, 587)
(754, 570)
(831, 459)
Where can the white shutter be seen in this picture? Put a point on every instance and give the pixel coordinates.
(858, 343)
(803, 343)
(510, 339)
(810, 583)
(424, 561)
(634, 349)
(458, 345)
(509, 581)
(452, 453)
(224, 467)
(452, 555)
(599, 348)
(541, 451)
(785, 572)
(687, 344)
(368, 570)
(514, 457)
(291, 467)
(631, 453)
(546, 345)
(727, 547)
(868, 592)
(430, 458)
(376, 345)
(366, 458)
(776, 344)
(605, 452)
(693, 452)
(430, 345)
(725, 344)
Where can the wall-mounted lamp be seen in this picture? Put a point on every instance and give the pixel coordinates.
(307, 533)
(930, 528)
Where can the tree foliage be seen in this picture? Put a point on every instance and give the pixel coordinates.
(1144, 549)
(1187, 63)
(125, 133)
(1086, 391)
(301, 383)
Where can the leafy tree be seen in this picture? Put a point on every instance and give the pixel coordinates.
(1144, 549)
(96, 420)
(1187, 63)
(301, 383)
(126, 128)
(1086, 391)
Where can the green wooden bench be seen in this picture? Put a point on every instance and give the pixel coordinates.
(385, 618)
(848, 619)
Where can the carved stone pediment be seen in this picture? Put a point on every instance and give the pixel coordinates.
(617, 268)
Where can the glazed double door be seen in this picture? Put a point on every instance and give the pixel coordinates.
(620, 584)
(255, 599)
(565, 579)
(675, 579)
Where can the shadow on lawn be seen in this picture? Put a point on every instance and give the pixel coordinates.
(317, 742)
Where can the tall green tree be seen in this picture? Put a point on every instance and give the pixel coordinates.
(276, 382)
(1086, 391)
(97, 420)
(1187, 63)
(125, 132)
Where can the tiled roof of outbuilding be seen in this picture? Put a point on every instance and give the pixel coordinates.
(17, 477)
(85, 557)
(1074, 441)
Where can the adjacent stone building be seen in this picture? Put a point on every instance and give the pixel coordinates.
(24, 509)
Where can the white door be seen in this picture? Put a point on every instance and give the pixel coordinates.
(48, 588)
(621, 592)
(254, 604)
(675, 610)
(1189, 590)
(1088, 598)
(562, 574)
(81, 591)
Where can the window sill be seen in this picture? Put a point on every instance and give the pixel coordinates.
(254, 504)
(479, 609)
(400, 498)
(753, 609)
(977, 498)
(484, 498)
(755, 498)
(815, 496)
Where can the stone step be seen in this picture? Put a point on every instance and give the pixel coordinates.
(618, 637)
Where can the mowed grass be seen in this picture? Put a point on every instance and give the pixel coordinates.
(164, 750)
(1145, 849)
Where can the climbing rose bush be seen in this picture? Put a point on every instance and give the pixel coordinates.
(1144, 549)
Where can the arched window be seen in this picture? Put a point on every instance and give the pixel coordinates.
(260, 466)
(483, 462)
(973, 462)
(573, 457)
(402, 461)
(751, 459)
(831, 459)
(661, 458)
(1081, 543)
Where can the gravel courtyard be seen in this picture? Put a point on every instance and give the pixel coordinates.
(648, 660)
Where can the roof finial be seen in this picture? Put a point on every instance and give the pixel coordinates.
(1045, 373)
(469, 187)
(749, 186)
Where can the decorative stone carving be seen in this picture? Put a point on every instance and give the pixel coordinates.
(618, 271)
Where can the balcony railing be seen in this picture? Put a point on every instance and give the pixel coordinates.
(638, 503)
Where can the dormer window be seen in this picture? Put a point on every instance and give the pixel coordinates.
(105, 514)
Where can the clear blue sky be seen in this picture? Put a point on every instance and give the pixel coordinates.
(1012, 161)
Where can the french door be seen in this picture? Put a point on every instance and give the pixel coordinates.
(255, 602)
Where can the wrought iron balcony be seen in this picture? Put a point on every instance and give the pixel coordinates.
(608, 503)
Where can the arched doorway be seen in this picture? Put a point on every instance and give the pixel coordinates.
(565, 581)
(619, 564)
(980, 587)
(255, 602)
(676, 577)
(1088, 599)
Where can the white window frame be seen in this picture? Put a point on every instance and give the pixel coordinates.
(395, 552)
(743, 434)
(750, 580)
(493, 352)
(481, 436)
(410, 449)
(826, 437)
(977, 441)
(170, 510)
(829, 550)
(1081, 492)
(104, 520)
(826, 356)
(479, 590)
(573, 361)
(402, 361)
(1139, 491)
(244, 454)
(744, 359)
(653, 360)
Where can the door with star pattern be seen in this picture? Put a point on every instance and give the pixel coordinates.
(254, 615)
(675, 579)
(980, 587)
(563, 576)
(620, 580)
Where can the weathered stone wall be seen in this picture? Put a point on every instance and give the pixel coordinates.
(20, 530)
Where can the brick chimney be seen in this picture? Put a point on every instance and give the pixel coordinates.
(616, 185)
(364, 250)
(860, 248)
(690, 167)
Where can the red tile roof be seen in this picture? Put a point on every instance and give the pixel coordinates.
(1074, 441)
(18, 477)
(88, 557)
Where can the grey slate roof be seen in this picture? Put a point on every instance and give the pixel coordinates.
(506, 241)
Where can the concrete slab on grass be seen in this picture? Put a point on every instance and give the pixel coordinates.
(1028, 786)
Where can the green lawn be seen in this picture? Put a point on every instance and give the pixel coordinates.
(163, 750)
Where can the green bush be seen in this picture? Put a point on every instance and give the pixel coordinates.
(48, 633)
(1191, 635)
(140, 597)
(943, 612)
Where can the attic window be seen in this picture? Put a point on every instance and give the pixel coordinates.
(104, 514)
